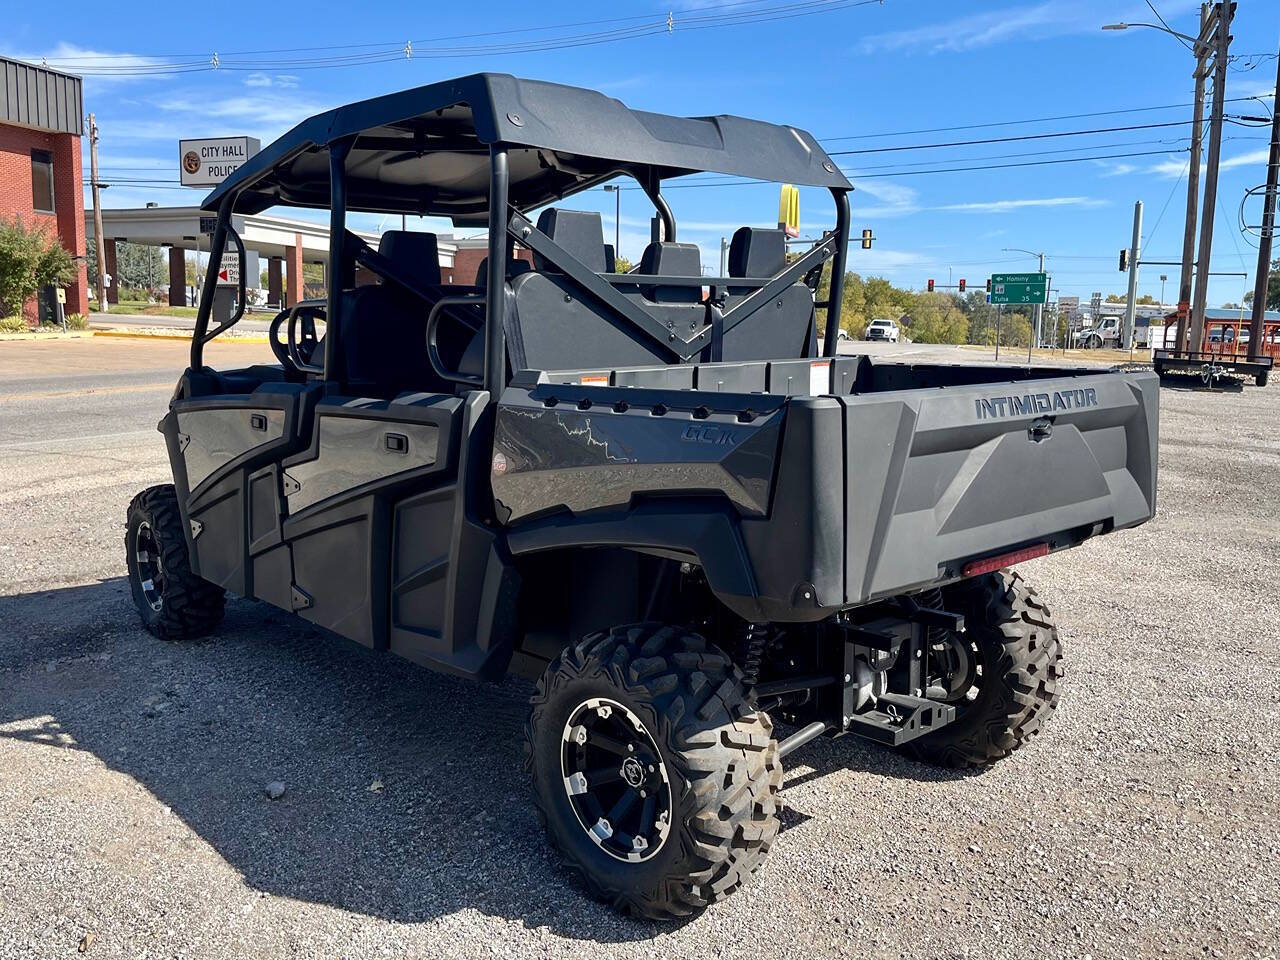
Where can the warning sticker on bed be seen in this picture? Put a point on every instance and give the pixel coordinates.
(596, 379)
(819, 378)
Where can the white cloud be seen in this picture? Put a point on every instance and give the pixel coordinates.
(1004, 206)
(257, 79)
(1115, 169)
(1246, 159)
(101, 66)
(1169, 168)
(1034, 22)
(896, 199)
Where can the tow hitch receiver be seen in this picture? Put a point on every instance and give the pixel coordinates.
(875, 688)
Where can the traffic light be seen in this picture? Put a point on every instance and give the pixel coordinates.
(988, 284)
(931, 285)
(962, 284)
(1124, 260)
(866, 239)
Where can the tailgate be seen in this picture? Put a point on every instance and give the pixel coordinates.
(938, 477)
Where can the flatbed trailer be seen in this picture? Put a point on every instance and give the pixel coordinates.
(1224, 352)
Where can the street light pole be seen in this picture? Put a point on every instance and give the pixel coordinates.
(1222, 41)
(617, 217)
(1201, 47)
(1135, 252)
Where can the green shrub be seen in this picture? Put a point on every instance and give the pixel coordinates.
(30, 258)
(15, 324)
(77, 321)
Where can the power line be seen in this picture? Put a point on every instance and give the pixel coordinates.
(1006, 166)
(1008, 123)
(633, 27)
(1027, 136)
(1169, 28)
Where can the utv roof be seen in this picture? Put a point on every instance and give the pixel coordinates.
(426, 150)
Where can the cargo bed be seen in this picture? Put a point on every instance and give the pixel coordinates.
(845, 480)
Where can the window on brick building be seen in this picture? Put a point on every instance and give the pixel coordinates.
(42, 180)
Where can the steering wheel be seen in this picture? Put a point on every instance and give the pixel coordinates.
(299, 347)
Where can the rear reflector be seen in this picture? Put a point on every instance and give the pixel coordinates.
(986, 565)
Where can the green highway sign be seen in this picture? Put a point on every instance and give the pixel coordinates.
(1019, 288)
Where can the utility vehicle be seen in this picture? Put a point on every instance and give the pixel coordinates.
(659, 494)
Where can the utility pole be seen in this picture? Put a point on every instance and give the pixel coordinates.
(1263, 273)
(99, 243)
(1193, 181)
(1131, 308)
(724, 257)
(1222, 41)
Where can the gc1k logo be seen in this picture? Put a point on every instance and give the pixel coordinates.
(708, 433)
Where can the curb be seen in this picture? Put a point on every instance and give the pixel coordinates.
(50, 335)
(131, 335)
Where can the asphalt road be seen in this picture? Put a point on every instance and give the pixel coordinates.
(133, 820)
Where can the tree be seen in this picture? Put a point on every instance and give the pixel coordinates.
(1015, 330)
(1273, 286)
(935, 318)
(138, 266)
(620, 265)
(1114, 298)
(29, 259)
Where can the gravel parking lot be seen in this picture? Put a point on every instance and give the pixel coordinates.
(133, 820)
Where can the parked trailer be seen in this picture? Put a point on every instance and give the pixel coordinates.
(1224, 351)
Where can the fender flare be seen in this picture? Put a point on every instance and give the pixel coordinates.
(710, 537)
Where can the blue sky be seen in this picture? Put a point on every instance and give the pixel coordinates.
(856, 76)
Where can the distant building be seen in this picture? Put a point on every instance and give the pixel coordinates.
(466, 262)
(41, 122)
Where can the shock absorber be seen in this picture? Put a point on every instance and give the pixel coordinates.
(752, 646)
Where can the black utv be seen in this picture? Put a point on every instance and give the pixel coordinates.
(661, 494)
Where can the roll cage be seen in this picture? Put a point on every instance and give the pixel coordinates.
(494, 146)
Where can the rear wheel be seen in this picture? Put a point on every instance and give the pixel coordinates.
(174, 603)
(656, 780)
(1261, 378)
(1002, 674)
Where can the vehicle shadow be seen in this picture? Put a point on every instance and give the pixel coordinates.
(405, 799)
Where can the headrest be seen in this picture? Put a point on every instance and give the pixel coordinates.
(671, 259)
(579, 232)
(514, 269)
(757, 252)
(414, 251)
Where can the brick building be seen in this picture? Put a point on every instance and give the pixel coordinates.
(466, 261)
(41, 122)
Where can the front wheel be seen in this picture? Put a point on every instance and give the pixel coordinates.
(655, 778)
(1002, 674)
(174, 603)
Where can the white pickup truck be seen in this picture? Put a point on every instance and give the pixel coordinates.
(1109, 332)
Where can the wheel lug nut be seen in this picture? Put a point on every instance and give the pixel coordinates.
(631, 748)
(651, 768)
